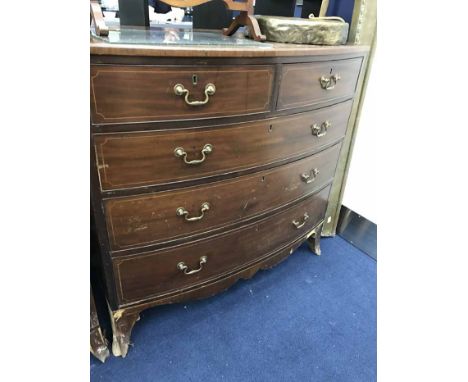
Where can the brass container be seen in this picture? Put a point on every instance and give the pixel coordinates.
(315, 30)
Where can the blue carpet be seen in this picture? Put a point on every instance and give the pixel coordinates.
(308, 319)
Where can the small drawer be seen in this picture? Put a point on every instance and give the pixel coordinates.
(132, 160)
(304, 85)
(163, 216)
(156, 273)
(122, 94)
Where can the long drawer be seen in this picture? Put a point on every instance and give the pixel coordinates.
(149, 93)
(163, 216)
(132, 160)
(159, 272)
(307, 84)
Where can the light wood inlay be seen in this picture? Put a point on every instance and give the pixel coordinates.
(132, 160)
(150, 274)
(270, 126)
(300, 83)
(150, 219)
(132, 94)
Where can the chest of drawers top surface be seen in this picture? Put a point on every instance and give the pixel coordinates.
(99, 48)
(211, 163)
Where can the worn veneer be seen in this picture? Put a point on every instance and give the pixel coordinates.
(188, 199)
(98, 342)
(151, 274)
(128, 93)
(300, 87)
(144, 220)
(137, 159)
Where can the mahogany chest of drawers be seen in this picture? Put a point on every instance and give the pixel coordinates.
(210, 164)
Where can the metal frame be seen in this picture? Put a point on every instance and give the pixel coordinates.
(357, 230)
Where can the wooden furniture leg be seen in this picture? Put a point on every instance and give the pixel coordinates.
(314, 240)
(98, 342)
(99, 345)
(122, 324)
(248, 20)
(96, 15)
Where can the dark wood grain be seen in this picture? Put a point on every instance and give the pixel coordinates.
(132, 94)
(300, 83)
(125, 318)
(147, 275)
(260, 124)
(152, 218)
(144, 159)
(94, 320)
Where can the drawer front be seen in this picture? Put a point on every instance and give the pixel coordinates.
(131, 160)
(301, 84)
(151, 219)
(148, 275)
(136, 94)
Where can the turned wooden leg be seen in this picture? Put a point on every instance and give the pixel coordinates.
(248, 20)
(99, 345)
(314, 240)
(122, 325)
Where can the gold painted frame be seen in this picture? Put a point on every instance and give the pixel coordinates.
(363, 31)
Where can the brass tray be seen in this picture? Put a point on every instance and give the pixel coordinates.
(315, 30)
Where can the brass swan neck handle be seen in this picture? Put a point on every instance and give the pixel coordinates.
(311, 176)
(181, 211)
(179, 152)
(183, 267)
(298, 224)
(180, 90)
(320, 130)
(329, 83)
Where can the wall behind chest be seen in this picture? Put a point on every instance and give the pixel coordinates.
(360, 192)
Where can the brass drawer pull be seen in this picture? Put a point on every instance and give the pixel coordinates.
(320, 130)
(180, 90)
(328, 83)
(299, 225)
(179, 152)
(311, 176)
(181, 211)
(182, 267)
